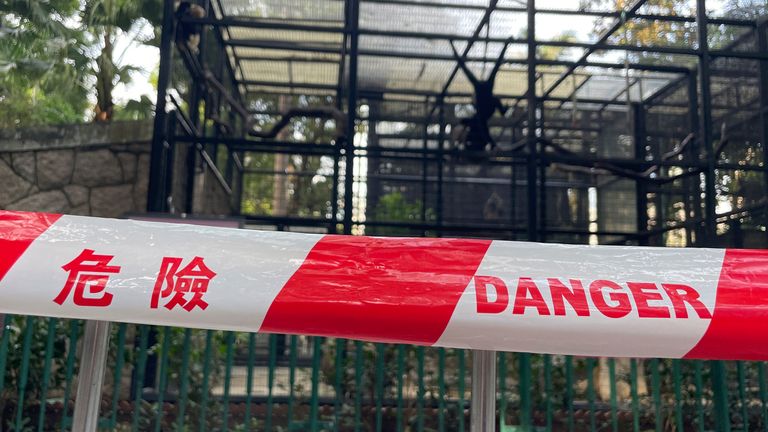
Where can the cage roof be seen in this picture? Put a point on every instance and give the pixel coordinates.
(303, 47)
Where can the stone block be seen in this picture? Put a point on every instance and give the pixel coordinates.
(81, 210)
(50, 202)
(54, 168)
(112, 201)
(77, 195)
(128, 163)
(24, 165)
(12, 186)
(97, 168)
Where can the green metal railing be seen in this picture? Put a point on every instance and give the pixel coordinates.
(171, 379)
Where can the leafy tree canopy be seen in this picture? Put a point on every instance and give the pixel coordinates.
(42, 64)
(56, 54)
(668, 33)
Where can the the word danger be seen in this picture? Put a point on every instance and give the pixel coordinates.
(601, 296)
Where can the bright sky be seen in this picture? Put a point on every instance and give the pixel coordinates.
(145, 57)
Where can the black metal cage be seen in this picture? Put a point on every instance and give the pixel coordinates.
(648, 129)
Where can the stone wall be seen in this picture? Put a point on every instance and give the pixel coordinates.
(88, 169)
(97, 170)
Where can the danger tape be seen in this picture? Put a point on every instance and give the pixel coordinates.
(480, 294)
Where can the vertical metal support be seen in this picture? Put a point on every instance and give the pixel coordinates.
(335, 190)
(531, 139)
(170, 160)
(695, 152)
(161, 160)
(706, 124)
(373, 182)
(196, 95)
(424, 169)
(483, 408)
(658, 199)
(156, 202)
(239, 169)
(353, 14)
(333, 228)
(641, 187)
(213, 108)
(93, 364)
(533, 215)
(542, 180)
(720, 395)
(189, 190)
(762, 44)
(239, 179)
(198, 86)
(440, 156)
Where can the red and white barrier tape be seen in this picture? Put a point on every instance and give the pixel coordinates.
(480, 294)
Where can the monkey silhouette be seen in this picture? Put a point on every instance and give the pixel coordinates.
(476, 134)
(188, 34)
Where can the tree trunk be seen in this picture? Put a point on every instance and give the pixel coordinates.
(104, 81)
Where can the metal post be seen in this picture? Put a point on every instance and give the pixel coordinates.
(762, 44)
(349, 157)
(196, 94)
(706, 125)
(373, 182)
(239, 179)
(155, 199)
(333, 226)
(161, 160)
(93, 363)
(169, 163)
(542, 180)
(532, 142)
(483, 409)
(534, 216)
(641, 186)
(695, 151)
(440, 139)
(424, 169)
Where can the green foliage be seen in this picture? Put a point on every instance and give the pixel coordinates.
(668, 33)
(104, 20)
(42, 64)
(141, 109)
(30, 356)
(120, 14)
(305, 179)
(395, 207)
(51, 52)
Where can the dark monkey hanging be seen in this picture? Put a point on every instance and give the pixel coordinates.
(475, 133)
